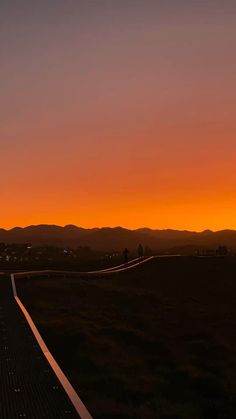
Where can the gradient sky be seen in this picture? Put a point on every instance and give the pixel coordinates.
(118, 112)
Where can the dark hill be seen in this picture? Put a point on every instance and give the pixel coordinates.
(117, 238)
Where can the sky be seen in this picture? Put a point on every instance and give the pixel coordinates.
(118, 112)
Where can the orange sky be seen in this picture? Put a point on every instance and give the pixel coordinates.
(115, 115)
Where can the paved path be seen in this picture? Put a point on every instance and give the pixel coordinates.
(28, 386)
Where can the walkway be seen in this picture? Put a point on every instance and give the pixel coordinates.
(28, 386)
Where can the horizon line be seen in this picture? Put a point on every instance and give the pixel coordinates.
(114, 227)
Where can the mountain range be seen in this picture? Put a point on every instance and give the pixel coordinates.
(117, 238)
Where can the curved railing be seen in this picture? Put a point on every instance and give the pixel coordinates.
(120, 268)
(70, 391)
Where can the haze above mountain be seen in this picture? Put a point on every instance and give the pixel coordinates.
(117, 238)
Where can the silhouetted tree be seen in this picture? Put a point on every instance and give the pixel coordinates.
(140, 251)
(222, 251)
(125, 254)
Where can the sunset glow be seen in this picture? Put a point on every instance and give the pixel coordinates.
(118, 113)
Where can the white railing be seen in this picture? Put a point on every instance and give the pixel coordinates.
(70, 391)
(120, 268)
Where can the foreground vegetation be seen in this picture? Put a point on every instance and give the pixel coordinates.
(156, 342)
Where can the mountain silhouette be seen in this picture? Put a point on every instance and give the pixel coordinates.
(117, 238)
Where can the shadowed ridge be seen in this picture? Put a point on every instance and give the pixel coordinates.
(72, 227)
(205, 232)
(108, 238)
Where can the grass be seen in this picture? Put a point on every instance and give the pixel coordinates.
(156, 342)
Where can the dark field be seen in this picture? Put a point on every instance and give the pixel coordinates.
(156, 342)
